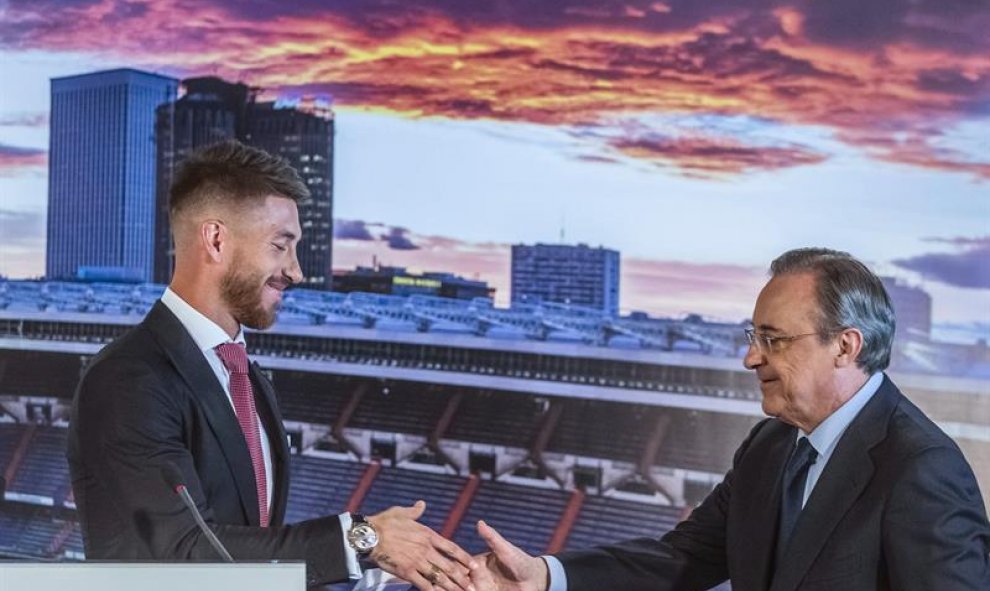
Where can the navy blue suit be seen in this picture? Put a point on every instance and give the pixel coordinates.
(896, 508)
(150, 398)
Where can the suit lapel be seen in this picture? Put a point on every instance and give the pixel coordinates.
(848, 472)
(760, 521)
(190, 364)
(264, 396)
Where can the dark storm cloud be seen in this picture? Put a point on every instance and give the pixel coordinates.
(351, 230)
(970, 267)
(398, 239)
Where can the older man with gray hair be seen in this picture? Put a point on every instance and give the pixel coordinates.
(847, 485)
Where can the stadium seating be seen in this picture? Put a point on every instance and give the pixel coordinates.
(10, 435)
(406, 408)
(605, 520)
(604, 429)
(704, 444)
(320, 486)
(500, 418)
(44, 470)
(399, 487)
(523, 514)
(311, 398)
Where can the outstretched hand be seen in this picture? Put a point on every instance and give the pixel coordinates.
(507, 567)
(409, 549)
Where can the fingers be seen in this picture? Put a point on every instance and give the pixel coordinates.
(414, 512)
(481, 573)
(446, 576)
(415, 552)
(419, 581)
(452, 550)
(499, 545)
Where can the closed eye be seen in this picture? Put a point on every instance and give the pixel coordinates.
(280, 247)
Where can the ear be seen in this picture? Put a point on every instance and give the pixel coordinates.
(214, 236)
(850, 343)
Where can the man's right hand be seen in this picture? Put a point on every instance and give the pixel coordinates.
(418, 554)
(507, 567)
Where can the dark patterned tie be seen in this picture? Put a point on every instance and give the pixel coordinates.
(235, 359)
(795, 476)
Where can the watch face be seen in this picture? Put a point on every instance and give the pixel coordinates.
(363, 537)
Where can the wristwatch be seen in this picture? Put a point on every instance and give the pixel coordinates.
(362, 536)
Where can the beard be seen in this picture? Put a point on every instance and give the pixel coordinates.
(241, 291)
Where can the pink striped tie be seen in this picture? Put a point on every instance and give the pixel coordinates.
(235, 359)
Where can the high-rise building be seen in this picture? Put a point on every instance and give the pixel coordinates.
(912, 309)
(210, 111)
(305, 139)
(101, 176)
(566, 274)
(213, 110)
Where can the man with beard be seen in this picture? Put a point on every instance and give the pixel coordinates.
(177, 393)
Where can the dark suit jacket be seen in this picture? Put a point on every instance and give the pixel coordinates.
(896, 508)
(150, 398)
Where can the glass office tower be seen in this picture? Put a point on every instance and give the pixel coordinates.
(101, 179)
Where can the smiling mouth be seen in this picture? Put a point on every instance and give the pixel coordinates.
(278, 286)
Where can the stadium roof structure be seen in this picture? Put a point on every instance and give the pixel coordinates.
(435, 319)
(416, 313)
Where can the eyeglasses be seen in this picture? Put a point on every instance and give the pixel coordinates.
(768, 344)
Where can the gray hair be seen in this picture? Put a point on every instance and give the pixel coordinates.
(849, 296)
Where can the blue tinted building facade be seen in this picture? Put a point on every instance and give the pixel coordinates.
(101, 179)
(566, 274)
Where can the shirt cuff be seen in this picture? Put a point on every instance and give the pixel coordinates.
(558, 578)
(350, 556)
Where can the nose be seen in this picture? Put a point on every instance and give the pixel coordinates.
(294, 272)
(754, 357)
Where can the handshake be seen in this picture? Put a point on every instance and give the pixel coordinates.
(409, 549)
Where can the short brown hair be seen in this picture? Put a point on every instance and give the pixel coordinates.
(234, 173)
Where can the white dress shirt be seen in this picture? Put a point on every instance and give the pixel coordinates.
(208, 335)
(827, 434)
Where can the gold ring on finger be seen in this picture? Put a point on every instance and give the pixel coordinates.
(436, 574)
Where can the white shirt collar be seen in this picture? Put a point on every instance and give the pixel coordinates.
(827, 434)
(206, 333)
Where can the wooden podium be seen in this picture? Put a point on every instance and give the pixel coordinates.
(152, 576)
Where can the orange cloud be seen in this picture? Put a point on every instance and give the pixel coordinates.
(707, 157)
(909, 69)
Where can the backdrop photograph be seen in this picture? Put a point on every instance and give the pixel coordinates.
(533, 242)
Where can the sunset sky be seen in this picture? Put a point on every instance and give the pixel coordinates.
(700, 139)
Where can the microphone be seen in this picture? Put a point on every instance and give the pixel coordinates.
(173, 476)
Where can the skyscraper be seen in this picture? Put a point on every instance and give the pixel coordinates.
(305, 139)
(101, 176)
(566, 274)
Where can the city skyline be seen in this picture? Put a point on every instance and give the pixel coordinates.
(698, 141)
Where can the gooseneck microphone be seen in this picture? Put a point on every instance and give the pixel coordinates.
(173, 476)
